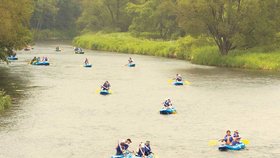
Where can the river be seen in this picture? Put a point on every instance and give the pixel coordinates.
(58, 114)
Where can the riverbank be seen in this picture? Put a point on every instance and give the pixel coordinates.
(196, 50)
(5, 101)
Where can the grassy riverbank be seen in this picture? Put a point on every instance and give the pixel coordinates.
(5, 101)
(197, 50)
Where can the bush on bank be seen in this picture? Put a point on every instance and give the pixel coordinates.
(201, 50)
(5, 100)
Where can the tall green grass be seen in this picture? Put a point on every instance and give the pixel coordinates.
(201, 50)
(5, 100)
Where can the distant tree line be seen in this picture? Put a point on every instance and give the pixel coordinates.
(232, 24)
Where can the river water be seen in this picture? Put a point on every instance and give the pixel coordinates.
(58, 114)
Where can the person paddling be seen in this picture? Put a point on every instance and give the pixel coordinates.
(123, 146)
(141, 150)
(228, 138)
(144, 149)
(148, 149)
(178, 78)
(33, 60)
(86, 61)
(106, 86)
(130, 60)
(236, 138)
(167, 104)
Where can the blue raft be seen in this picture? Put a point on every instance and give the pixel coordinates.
(232, 147)
(168, 111)
(178, 83)
(131, 65)
(44, 63)
(130, 156)
(79, 52)
(104, 92)
(88, 65)
(12, 58)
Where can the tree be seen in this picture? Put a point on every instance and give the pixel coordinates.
(231, 23)
(104, 15)
(14, 30)
(67, 14)
(44, 14)
(154, 16)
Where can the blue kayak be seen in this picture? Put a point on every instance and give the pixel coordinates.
(131, 65)
(44, 63)
(232, 147)
(88, 65)
(168, 111)
(130, 156)
(12, 58)
(178, 83)
(104, 92)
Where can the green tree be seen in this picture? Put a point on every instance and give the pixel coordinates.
(154, 16)
(67, 14)
(231, 23)
(104, 15)
(44, 14)
(14, 30)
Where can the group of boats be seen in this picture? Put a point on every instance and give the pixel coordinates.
(163, 111)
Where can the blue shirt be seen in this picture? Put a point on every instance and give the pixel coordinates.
(226, 138)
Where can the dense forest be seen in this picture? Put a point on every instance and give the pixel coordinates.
(228, 24)
(231, 23)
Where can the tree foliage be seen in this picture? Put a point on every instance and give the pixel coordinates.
(104, 15)
(14, 30)
(156, 16)
(231, 23)
(55, 14)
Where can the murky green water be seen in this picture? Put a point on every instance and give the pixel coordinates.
(60, 115)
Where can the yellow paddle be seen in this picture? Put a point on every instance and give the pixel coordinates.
(245, 141)
(215, 142)
(170, 81)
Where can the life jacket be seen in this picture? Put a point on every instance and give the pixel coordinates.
(148, 150)
(120, 147)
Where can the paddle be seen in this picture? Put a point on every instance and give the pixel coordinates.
(171, 81)
(215, 142)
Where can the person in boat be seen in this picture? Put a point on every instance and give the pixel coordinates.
(123, 146)
(38, 59)
(57, 48)
(236, 138)
(33, 60)
(86, 61)
(178, 78)
(167, 104)
(44, 59)
(141, 150)
(14, 54)
(228, 139)
(80, 50)
(130, 60)
(144, 149)
(106, 86)
(148, 149)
